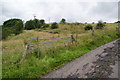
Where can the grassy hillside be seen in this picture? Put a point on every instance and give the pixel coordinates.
(51, 59)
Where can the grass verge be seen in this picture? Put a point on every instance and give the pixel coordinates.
(34, 66)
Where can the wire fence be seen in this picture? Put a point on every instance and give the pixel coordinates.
(31, 45)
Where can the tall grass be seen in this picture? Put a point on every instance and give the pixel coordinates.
(43, 61)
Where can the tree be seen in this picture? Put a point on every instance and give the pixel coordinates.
(63, 20)
(100, 25)
(117, 22)
(12, 26)
(42, 21)
(30, 25)
(105, 22)
(54, 25)
(45, 26)
(18, 28)
(6, 32)
(11, 22)
(36, 23)
(88, 27)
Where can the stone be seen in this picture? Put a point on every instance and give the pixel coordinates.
(103, 55)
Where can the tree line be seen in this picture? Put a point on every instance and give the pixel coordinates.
(16, 26)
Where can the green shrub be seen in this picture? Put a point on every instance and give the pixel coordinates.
(100, 25)
(29, 25)
(117, 22)
(45, 26)
(42, 21)
(63, 20)
(12, 26)
(88, 27)
(32, 24)
(37, 23)
(54, 25)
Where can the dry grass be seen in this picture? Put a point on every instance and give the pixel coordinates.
(34, 67)
(17, 42)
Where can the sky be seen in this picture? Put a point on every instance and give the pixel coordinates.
(54, 10)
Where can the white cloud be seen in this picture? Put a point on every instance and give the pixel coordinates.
(72, 10)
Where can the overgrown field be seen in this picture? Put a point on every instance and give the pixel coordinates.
(34, 66)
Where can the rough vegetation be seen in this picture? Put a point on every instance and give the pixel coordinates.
(88, 27)
(54, 25)
(63, 20)
(12, 26)
(34, 65)
(100, 25)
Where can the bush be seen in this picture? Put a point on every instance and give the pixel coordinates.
(117, 22)
(63, 20)
(18, 28)
(118, 34)
(100, 25)
(6, 32)
(29, 25)
(45, 26)
(88, 27)
(12, 26)
(42, 21)
(54, 25)
(37, 23)
(32, 24)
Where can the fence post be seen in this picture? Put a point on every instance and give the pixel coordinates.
(72, 38)
(37, 39)
(38, 52)
(65, 44)
(25, 52)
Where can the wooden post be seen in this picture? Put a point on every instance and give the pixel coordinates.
(28, 49)
(25, 53)
(38, 47)
(58, 35)
(65, 45)
(37, 39)
(72, 38)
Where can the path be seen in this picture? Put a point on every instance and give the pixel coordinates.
(101, 62)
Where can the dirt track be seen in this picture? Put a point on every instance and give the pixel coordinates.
(101, 62)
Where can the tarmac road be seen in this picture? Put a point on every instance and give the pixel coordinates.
(101, 63)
